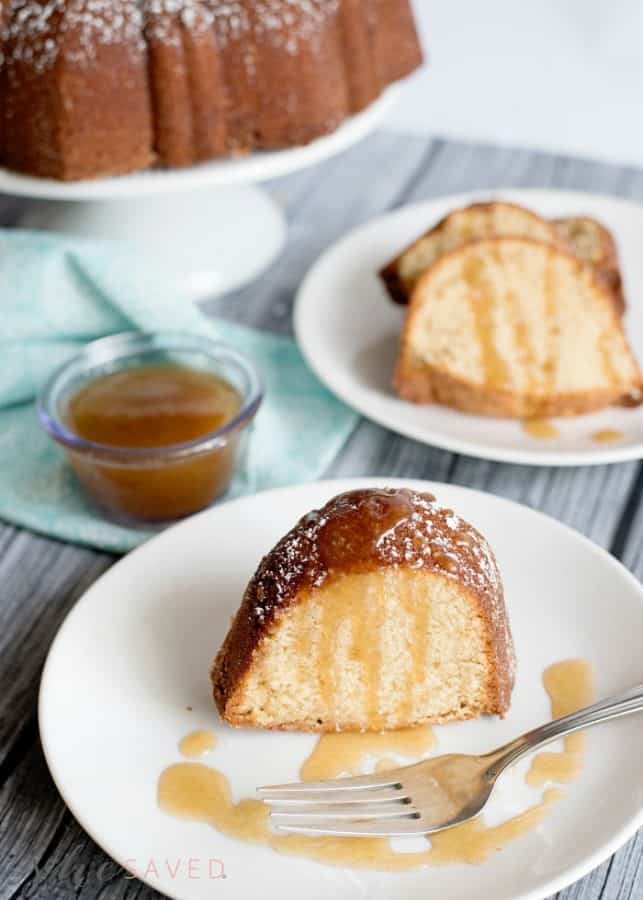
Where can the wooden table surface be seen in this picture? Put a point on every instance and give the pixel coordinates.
(43, 852)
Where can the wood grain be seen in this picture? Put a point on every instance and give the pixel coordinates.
(43, 853)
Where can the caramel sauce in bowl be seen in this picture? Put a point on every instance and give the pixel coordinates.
(154, 425)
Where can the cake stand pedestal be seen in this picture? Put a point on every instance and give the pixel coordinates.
(209, 228)
(206, 242)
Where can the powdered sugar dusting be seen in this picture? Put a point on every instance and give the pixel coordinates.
(282, 24)
(37, 31)
(287, 22)
(282, 572)
(161, 16)
(385, 527)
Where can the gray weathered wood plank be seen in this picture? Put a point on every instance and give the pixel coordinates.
(41, 579)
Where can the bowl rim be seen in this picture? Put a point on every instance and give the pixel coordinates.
(133, 343)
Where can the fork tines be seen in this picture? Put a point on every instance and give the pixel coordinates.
(366, 805)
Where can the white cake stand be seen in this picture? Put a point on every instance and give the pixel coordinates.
(208, 227)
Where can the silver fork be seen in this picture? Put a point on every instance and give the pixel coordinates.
(428, 796)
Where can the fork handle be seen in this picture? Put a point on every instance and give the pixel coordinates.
(629, 701)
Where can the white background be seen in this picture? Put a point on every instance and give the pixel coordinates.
(553, 74)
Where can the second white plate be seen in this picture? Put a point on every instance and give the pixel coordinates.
(348, 331)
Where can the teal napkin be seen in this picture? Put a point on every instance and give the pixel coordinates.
(57, 293)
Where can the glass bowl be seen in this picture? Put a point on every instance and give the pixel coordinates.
(143, 485)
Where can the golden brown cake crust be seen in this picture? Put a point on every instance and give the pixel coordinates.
(361, 531)
(426, 384)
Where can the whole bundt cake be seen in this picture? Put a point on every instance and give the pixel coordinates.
(92, 88)
(381, 610)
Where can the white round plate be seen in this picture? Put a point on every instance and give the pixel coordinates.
(348, 330)
(233, 170)
(136, 651)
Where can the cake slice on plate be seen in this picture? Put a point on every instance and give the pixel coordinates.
(515, 327)
(381, 610)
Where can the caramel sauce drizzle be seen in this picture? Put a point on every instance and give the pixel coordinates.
(525, 349)
(544, 430)
(370, 650)
(344, 753)
(549, 367)
(385, 764)
(609, 368)
(418, 612)
(607, 435)
(197, 792)
(343, 610)
(569, 685)
(519, 326)
(342, 614)
(541, 429)
(197, 743)
(494, 366)
(326, 656)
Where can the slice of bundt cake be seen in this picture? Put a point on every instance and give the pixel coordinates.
(474, 222)
(593, 243)
(514, 327)
(381, 610)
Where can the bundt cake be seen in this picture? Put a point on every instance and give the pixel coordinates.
(91, 88)
(381, 610)
(514, 327)
(479, 220)
(593, 243)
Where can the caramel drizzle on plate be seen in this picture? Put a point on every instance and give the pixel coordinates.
(197, 792)
(197, 743)
(541, 429)
(607, 435)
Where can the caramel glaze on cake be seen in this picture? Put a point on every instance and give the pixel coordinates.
(90, 88)
(387, 533)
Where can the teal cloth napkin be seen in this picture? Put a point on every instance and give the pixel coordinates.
(57, 293)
